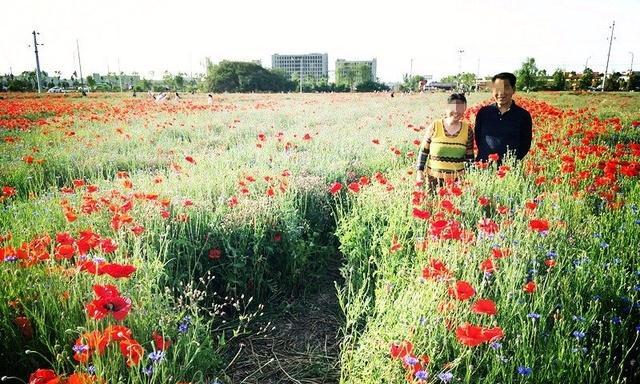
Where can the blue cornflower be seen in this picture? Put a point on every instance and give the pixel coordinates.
(422, 375)
(495, 345)
(578, 318)
(578, 334)
(616, 320)
(583, 350)
(597, 235)
(156, 356)
(183, 327)
(410, 360)
(445, 377)
(79, 348)
(10, 258)
(638, 328)
(524, 371)
(604, 245)
(91, 369)
(552, 254)
(534, 316)
(596, 298)
(637, 288)
(148, 370)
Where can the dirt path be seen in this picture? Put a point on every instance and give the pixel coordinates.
(303, 343)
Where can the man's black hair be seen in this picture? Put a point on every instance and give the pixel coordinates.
(455, 97)
(505, 76)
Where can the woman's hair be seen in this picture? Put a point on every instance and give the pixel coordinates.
(456, 98)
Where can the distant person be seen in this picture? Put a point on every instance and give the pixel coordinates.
(391, 93)
(447, 145)
(177, 96)
(210, 99)
(134, 93)
(503, 127)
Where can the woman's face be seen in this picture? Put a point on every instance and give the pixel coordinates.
(455, 111)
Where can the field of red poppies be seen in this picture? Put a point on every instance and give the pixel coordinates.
(139, 239)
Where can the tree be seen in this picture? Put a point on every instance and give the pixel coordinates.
(411, 83)
(178, 81)
(91, 81)
(612, 83)
(634, 82)
(586, 80)
(559, 80)
(529, 75)
(235, 76)
(465, 80)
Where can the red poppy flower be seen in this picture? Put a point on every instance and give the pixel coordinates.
(161, 343)
(400, 350)
(118, 306)
(109, 301)
(108, 246)
(190, 159)
(117, 270)
(395, 246)
(488, 265)
(354, 187)
(24, 325)
(550, 263)
(530, 287)
(80, 378)
(488, 226)
(8, 191)
(436, 270)
(215, 253)
(539, 225)
(64, 251)
(116, 333)
(132, 351)
(494, 157)
(483, 201)
(421, 214)
(44, 376)
(87, 344)
(470, 335)
(484, 306)
(492, 334)
(463, 290)
(335, 188)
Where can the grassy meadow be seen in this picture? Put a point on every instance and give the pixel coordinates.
(145, 242)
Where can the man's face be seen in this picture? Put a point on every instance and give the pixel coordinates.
(502, 92)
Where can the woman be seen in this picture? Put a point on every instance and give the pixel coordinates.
(447, 144)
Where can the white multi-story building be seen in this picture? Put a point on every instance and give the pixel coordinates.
(312, 65)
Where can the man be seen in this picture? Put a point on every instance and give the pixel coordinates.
(504, 126)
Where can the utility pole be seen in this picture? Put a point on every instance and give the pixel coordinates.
(586, 64)
(460, 52)
(631, 66)
(80, 66)
(119, 74)
(35, 46)
(606, 68)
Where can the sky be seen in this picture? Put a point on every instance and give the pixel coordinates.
(418, 37)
